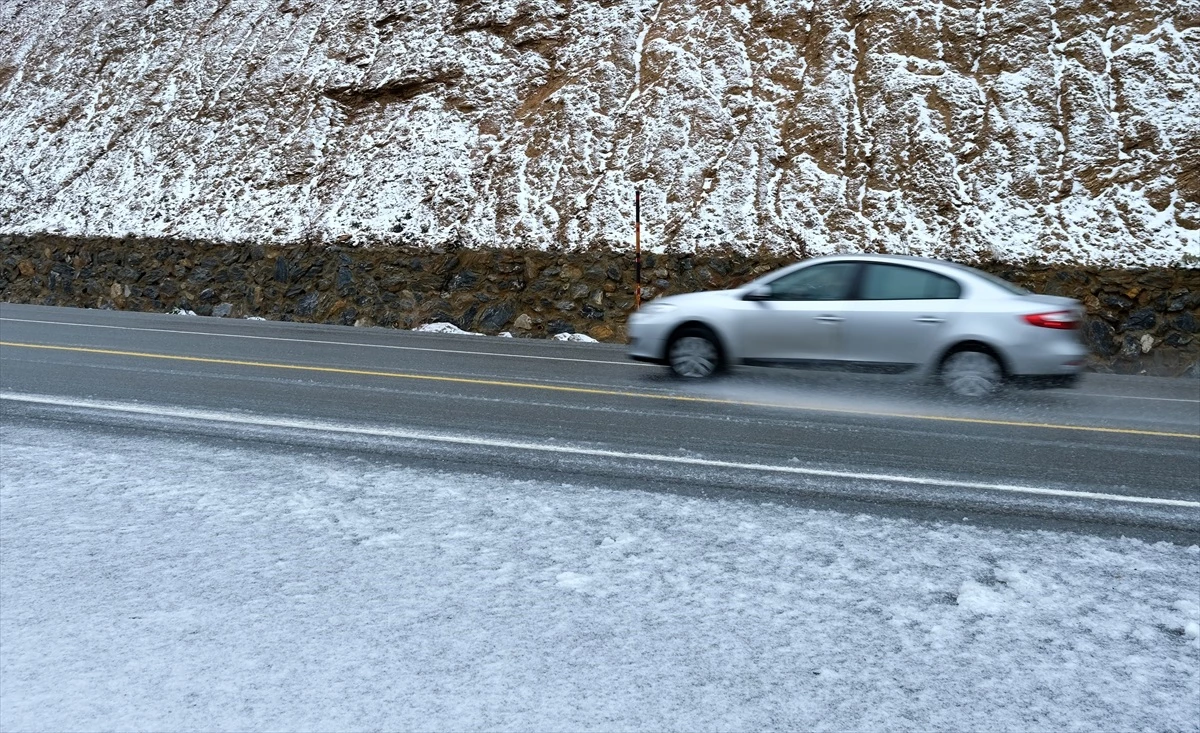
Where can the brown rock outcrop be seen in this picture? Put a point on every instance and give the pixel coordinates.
(1143, 320)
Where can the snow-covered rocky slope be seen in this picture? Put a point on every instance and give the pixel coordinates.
(1051, 130)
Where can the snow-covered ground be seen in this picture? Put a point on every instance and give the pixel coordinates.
(149, 585)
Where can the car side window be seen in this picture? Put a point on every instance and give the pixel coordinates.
(897, 282)
(830, 281)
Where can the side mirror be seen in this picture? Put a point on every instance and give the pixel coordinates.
(762, 292)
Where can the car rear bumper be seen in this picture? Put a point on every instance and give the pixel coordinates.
(1054, 358)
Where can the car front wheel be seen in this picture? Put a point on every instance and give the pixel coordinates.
(972, 374)
(694, 354)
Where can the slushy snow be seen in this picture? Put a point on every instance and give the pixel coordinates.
(147, 584)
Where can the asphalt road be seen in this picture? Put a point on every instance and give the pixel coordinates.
(1118, 455)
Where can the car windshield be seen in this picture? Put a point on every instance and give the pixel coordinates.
(827, 281)
(997, 281)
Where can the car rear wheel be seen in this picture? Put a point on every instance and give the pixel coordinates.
(972, 373)
(693, 354)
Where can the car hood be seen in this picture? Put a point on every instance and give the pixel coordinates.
(708, 297)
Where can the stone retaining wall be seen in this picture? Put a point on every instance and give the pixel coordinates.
(1140, 321)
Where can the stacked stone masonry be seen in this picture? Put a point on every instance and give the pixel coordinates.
(1139, 321)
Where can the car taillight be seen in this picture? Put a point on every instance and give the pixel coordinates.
(1054, 319)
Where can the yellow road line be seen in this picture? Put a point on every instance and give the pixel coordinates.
(592, 390)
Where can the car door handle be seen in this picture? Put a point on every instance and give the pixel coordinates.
(929, 319)
(829, 319)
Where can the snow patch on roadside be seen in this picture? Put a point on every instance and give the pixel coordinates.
(455, 330)
(445, 328)
(576, 337)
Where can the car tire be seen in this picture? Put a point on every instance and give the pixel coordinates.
(972, 373)
(693, 353)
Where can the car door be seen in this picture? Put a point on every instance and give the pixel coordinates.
(796, 317)
(899, 316)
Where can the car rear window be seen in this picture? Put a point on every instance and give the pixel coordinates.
(897, 282)
(997, 281)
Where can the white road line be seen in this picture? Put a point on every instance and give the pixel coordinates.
(1133, 397)
(333, 343)
(259, 421)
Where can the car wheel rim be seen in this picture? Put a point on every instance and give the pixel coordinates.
(693, 356)
(972, 374)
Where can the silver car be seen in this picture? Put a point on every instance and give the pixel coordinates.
(878, 313)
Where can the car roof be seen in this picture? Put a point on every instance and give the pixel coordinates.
(875, 256)
(943, 265)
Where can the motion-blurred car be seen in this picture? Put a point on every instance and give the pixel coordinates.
(879, 313)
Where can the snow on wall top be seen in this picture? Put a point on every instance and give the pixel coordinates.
(1056, 130)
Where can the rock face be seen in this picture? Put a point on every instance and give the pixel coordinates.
(1138, 320)
(1009, 130)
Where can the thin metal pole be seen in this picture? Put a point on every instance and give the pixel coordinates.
(637, 246)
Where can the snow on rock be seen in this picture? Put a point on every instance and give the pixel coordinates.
(1011, 129)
